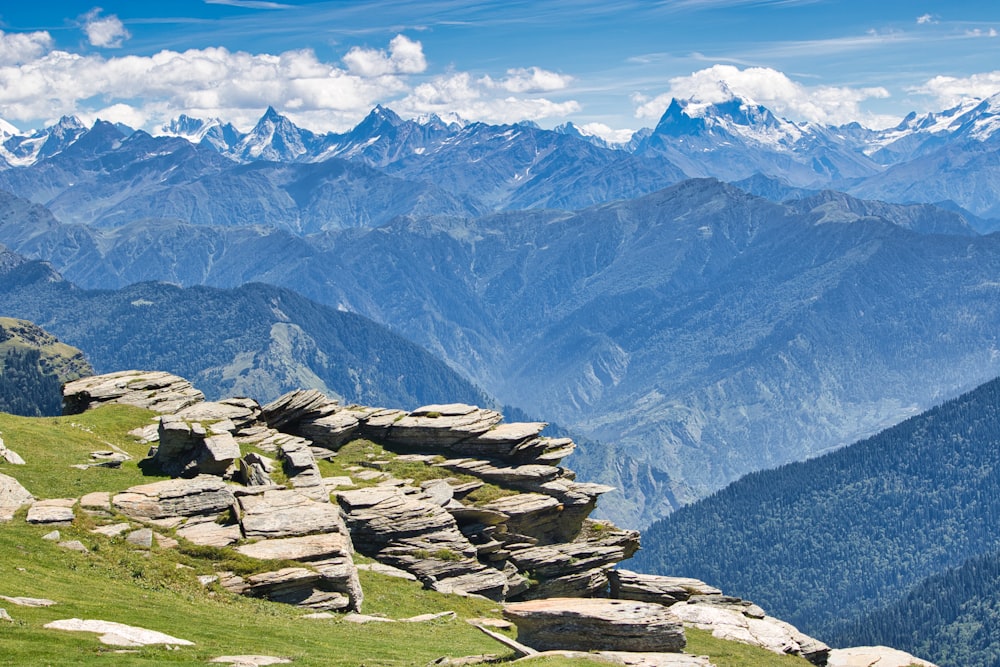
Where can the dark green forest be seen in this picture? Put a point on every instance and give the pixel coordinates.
(951, 618)
(835, 537)
(24, 388)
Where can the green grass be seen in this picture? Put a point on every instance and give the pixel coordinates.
(50, 445)
(115, 582)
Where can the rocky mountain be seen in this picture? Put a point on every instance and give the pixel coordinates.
(695, 328)
(253, 340)
(859, 527)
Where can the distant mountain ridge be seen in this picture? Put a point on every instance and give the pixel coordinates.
(694, 329)
(501, 167)
(256, 340)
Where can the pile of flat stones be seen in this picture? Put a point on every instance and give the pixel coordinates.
(535, 540)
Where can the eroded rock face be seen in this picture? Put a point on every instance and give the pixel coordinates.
(188, 448)
(873, 656)
(628, 585)
(287, 513)
(153, 390)
(593, 624)
(726, 622)
(13, 497)
(203, 495)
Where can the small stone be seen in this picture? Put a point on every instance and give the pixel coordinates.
(206, 579)
(112, 530)
(13, 496)
(74, 545)
(320, 615)
(363, 618)
(165, 542)
(28, 602)
(250, 660)
(142, 538)
(424, 618)
(56, 510)
(52, 537)
(4, 616)
(117, 634)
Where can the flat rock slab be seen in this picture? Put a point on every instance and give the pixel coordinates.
(306, 548)
(202, 495)
(583, 624)
(628, 585)
(873, 656)
(210, 534)
(250, 660)
(630, 659)
(769, 633)
(117, 634)
(288, 513)
(98, 501)
(54, 511)
(13, 497)
(28, 602)
(153, 390)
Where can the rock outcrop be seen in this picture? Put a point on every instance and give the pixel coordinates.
(153, 390)
(13, 497)
(593, 624)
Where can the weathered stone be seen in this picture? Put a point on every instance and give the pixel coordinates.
(54, 536)
(202, 495)
(426, 618)
(9, 455)
(112, 530)
(301, 469)
(13, 497)
(165, 542)
(285, 412)
(298, 586)
(73, 545)
(117, 634)
(574, 569)
(362, 619)
(591, 624)
(208, 533)
(287, 514)
(438, 490)
(306, 548)
(441, 427)
(188, 447)
(58, 511)
(387, 570)
(28, 602)
(628, 585)
(873, 656)
(237, 412)
(4, 616)
(142, 538)
(631, 659)
(768, 633)
(249, 660)
(98, 501)
(153, 390)
(536, 515)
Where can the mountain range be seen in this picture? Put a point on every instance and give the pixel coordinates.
(702, 332)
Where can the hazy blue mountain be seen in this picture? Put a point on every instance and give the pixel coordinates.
(255, 340)
(824, 543)
(704, 332)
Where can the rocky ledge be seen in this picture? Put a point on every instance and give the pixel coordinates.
(449, 495)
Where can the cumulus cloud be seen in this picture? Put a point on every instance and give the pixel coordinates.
(950, 91)
(980, 32)
(20, 47)
(532, 80)
(405, 56)
(472, 98)
(925, 18)
(39, 84)
(104, 31)
(773, 89)
(607, 133)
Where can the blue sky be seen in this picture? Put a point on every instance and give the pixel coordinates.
(609, 66)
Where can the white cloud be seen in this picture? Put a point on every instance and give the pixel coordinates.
(979, 32)
(949, 91)
(925, 18)
(104, 31)
(472, 99)
(607, 133)
(533, 80)
(773, 89)
(117, 113)
(405, 56)
(21, 47)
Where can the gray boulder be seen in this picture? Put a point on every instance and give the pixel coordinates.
(202, 495)
(13, 497)
(153, 390)
(594, 624)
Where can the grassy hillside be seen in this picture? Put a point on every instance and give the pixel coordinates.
(159, 589)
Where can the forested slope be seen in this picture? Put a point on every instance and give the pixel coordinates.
(834, 537)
